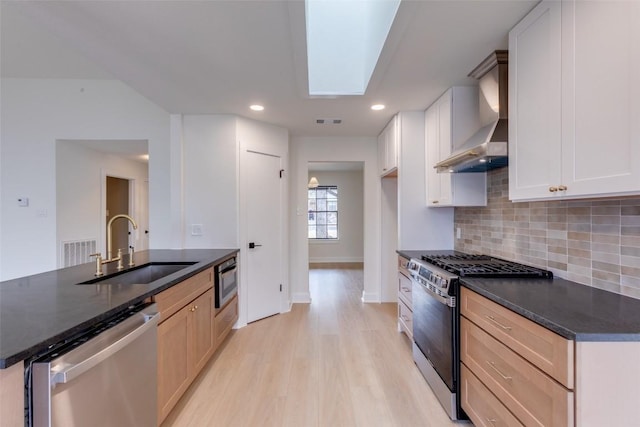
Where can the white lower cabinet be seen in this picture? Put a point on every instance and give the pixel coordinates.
(574, 99)
(405, 300)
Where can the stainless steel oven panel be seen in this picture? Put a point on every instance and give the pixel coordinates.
(226, 282)
(433, 332)
(446, 398)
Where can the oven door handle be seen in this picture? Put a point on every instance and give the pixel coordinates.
(226, 273)
(448, 301)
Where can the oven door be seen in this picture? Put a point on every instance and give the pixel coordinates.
(227, 283)
(434, 332)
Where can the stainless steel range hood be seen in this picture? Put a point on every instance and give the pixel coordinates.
(488, 147)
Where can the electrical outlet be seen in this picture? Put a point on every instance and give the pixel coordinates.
(196, 229)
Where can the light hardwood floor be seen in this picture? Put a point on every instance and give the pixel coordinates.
(334, 362)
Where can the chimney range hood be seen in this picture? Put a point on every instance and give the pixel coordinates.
(487, 148)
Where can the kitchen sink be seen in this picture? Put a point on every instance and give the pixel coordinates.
(143, 274)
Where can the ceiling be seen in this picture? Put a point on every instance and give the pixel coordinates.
(218, 57)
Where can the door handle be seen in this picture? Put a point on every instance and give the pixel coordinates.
(252, 245)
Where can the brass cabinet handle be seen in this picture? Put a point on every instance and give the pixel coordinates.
(492, 420)
(435, 202)
(553, 189)
(562, 188)
(493, 319)
(405, 289)
(405, 318)
(504, 377)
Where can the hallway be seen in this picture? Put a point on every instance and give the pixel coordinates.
(334, 362)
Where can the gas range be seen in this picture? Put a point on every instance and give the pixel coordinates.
(467, 265)
(435, 278)
(439, 271)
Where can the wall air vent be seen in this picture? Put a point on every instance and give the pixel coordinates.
(328, 121)
(77, 252)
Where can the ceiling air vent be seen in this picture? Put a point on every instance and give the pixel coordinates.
(328, 121)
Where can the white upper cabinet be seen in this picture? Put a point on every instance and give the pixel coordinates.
(388, 142)
(574, 98)
(449, 122)
(535, 103)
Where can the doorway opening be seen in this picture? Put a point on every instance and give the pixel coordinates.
(335, 222)
(82, 168)
(118, 203)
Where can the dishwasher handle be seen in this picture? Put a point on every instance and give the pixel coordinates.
(69, 371)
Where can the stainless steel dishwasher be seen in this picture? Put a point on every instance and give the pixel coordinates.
(104, 377)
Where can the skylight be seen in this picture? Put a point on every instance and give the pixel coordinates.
(344, 41)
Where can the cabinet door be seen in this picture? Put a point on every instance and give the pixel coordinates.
(432, 149)
(535, 103)
(445, 120)
(174, 360)
(225, 320)
(601, 97)
(392, 140)
(382, 155)
(202, 329)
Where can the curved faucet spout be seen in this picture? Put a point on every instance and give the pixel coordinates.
(131, 220)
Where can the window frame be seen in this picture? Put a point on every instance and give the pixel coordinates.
(326, 212)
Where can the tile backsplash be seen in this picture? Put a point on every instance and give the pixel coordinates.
(593, 242)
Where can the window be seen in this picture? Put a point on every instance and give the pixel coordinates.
(323, 212)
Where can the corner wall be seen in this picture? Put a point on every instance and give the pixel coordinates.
(349, 247)
(37, 112)
(336, 149)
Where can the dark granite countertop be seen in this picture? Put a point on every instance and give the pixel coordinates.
(40, 310)
(572, 310)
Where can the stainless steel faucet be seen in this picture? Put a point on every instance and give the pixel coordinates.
(100, 261)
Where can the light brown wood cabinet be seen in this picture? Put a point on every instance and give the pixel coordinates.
(186, 337)
(510, 363)
(516, 363)
(225, 319)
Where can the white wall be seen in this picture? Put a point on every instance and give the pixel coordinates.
(79, 181)
(419, 227)
(34, 113)
(304, 150)
(210, 151)
(350, 244)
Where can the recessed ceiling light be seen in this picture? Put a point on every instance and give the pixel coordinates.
(377, 107)
(256, 107)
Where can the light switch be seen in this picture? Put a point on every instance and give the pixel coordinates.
(23, 202)
(458, 233)
(196, 229)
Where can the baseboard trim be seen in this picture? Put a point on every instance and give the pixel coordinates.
(335, 259)
(301, 298)
(370, 297)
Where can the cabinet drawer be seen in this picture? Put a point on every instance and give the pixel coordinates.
(405, 317)
(225, 320)
(532, 396)
(177, 296)
(484, 409)
(545, 349)
(404, 289)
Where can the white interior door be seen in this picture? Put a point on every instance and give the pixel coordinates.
(264, 233)
(143, 217)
